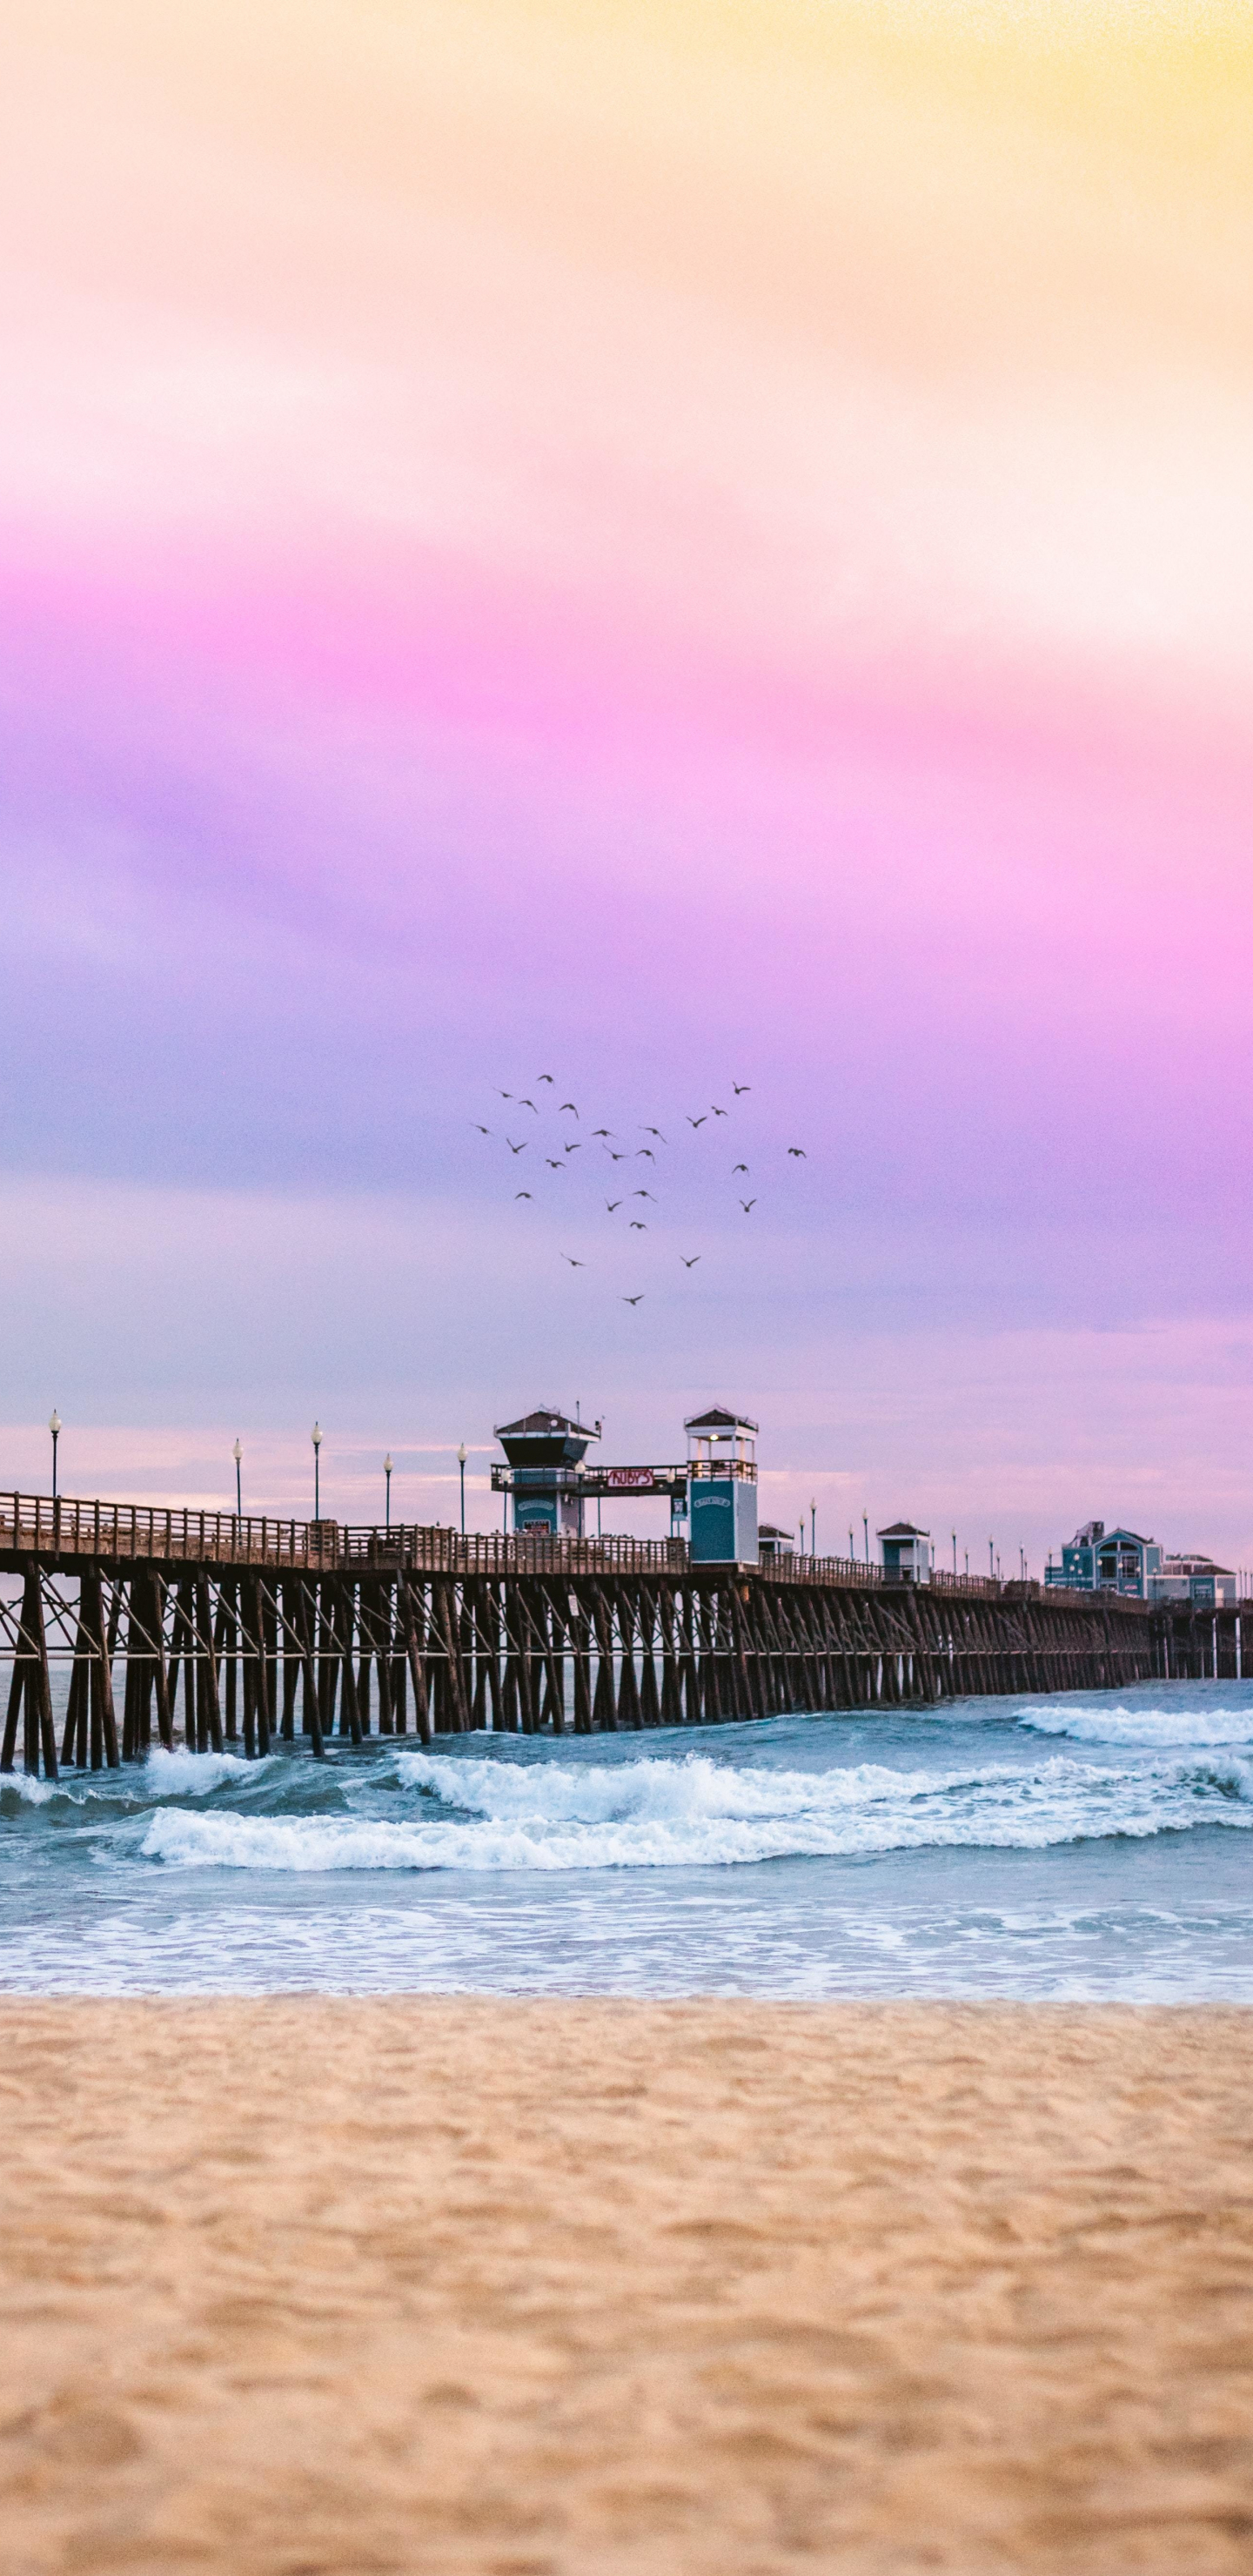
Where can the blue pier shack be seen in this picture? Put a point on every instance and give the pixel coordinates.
(906, 1552)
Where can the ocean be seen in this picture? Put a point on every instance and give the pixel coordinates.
(1095, 1846)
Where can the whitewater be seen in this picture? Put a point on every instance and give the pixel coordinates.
(1093, 1845)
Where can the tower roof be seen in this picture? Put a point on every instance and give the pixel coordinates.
(718, 1419)
(545, 1424)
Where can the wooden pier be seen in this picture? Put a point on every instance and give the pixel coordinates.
(213, 1630)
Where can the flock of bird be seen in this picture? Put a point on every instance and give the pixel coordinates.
(616, 1149)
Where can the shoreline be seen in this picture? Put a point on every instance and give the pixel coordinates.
(531, 2287)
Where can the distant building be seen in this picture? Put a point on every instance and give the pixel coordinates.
(775, 1542)
(1101, 1560)
(1196, 1579)
(906, 1552)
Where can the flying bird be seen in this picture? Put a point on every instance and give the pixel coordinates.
(698, 1122)
(575, 1265)
(719, 1113)
(522, 1194)
(602, 1131)
(557, 1166)
(739, 1087)
(800, 1153)
(689, 1265)
(634, 1301)
(645, 1149)
(614, 1158)
(575, 1148)
(543, 1077)
(528, 1104)
(515, 1149)
(738, 1167)
(652, 1131)
(638, 1226)
(567, 1104)
(483, 1131)
(611, 1204)
(503, 1095)
(643, 1194)
(748, 1205)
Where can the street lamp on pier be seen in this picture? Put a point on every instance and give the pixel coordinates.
(387, 1483)
(991, 1563)
(54, 1425)
(462, 1455)
(813, 1526)
(238, 1456)
(865, 1531)
(954, 1556)
(316, 1437)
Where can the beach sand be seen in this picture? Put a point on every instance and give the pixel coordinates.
(307, 2284)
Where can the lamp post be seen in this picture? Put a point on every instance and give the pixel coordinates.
(238, 1456)
(387, 1482)
(865, 1528)
(852, 1548)
(316, 1437)
(954, 1556)
(54, 1425)
(801, 1527)
(991, 1563)
(462, 1455)
(813, 1526)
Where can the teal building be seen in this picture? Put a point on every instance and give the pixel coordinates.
(1101, 1560)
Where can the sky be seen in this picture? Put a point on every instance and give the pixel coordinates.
(675, 545)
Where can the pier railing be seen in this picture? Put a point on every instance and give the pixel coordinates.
(34, 1524)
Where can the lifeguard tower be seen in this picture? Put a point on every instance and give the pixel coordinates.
(722, 1487)
(545, 1451)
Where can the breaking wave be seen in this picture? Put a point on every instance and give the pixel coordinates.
(493, 1815)
(161, 1775)
(1141, 1726)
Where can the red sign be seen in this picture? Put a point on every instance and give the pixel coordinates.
(629, 1478)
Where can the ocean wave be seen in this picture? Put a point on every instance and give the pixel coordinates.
(159, 1776)
(653, 1814)
(193, 1775)
(1147, 1727)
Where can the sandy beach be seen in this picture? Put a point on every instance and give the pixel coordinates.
(304, 2285)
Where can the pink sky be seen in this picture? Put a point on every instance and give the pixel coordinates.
(692, 541)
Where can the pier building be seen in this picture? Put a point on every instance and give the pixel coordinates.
(773, 1542)
(1101, 1560)
(906, 1552)
(1196, 1579)
(545, 1451)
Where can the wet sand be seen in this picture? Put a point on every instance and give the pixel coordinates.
(536, 2288)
